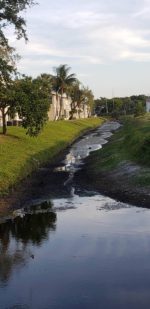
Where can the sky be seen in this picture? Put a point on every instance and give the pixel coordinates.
(105, 42)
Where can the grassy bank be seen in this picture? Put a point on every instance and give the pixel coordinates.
(20, 154)
(130, 144)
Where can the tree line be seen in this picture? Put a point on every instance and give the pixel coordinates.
(31, 97)
(133, 105)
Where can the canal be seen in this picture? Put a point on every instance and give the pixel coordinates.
(84, 250)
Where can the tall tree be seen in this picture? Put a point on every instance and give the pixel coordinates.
(76, 95)
(7, 103)
(33, 98)
(88, 98)
(7, 73)
(82, 98)
(10, 14)
(62, 80)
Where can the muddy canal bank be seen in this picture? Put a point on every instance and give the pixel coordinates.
(123, 179)
(116, 185)
(70, 173)
(44, 183)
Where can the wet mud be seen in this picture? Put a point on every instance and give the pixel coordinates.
(69, 174)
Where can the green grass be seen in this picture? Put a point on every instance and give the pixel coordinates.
(21, 154)
(130, 143)
(143, 179)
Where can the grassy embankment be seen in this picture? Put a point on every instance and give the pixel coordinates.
(130, 144)
(20, 154)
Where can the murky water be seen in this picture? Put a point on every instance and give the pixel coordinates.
(85, 251)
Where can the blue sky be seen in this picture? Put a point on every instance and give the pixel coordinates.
(106, 43)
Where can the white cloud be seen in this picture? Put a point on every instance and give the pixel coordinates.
(135, 56)
(86, 34)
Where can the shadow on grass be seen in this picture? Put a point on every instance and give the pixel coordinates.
(37, 176)
(9, 135)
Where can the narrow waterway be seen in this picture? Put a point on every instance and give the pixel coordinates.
(82, 251)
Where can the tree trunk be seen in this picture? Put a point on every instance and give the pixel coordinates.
(73, 107)
(4, 121)
(71, 116)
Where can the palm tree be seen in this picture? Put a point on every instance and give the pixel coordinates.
(62, 80)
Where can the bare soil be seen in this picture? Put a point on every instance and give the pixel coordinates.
(119, 183)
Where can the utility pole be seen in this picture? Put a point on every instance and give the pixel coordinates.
(113, 99)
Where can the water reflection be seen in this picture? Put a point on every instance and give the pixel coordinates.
(82, 149)
(18, 236)
(98, 257)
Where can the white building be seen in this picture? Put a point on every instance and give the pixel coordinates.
(10, 121)
(60, 108)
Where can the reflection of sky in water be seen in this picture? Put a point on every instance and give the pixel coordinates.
(96, 256)
(82, 148)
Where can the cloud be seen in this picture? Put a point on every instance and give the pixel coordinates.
(138, 56)
(85, 34)
(96, 32)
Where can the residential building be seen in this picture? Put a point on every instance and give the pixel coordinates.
(15, 121)
(60, 108)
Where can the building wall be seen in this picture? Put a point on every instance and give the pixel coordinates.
(15, 121)
(59, 101)
(65, 102)
(54, 111)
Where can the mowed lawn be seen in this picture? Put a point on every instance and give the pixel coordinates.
(21, 154)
